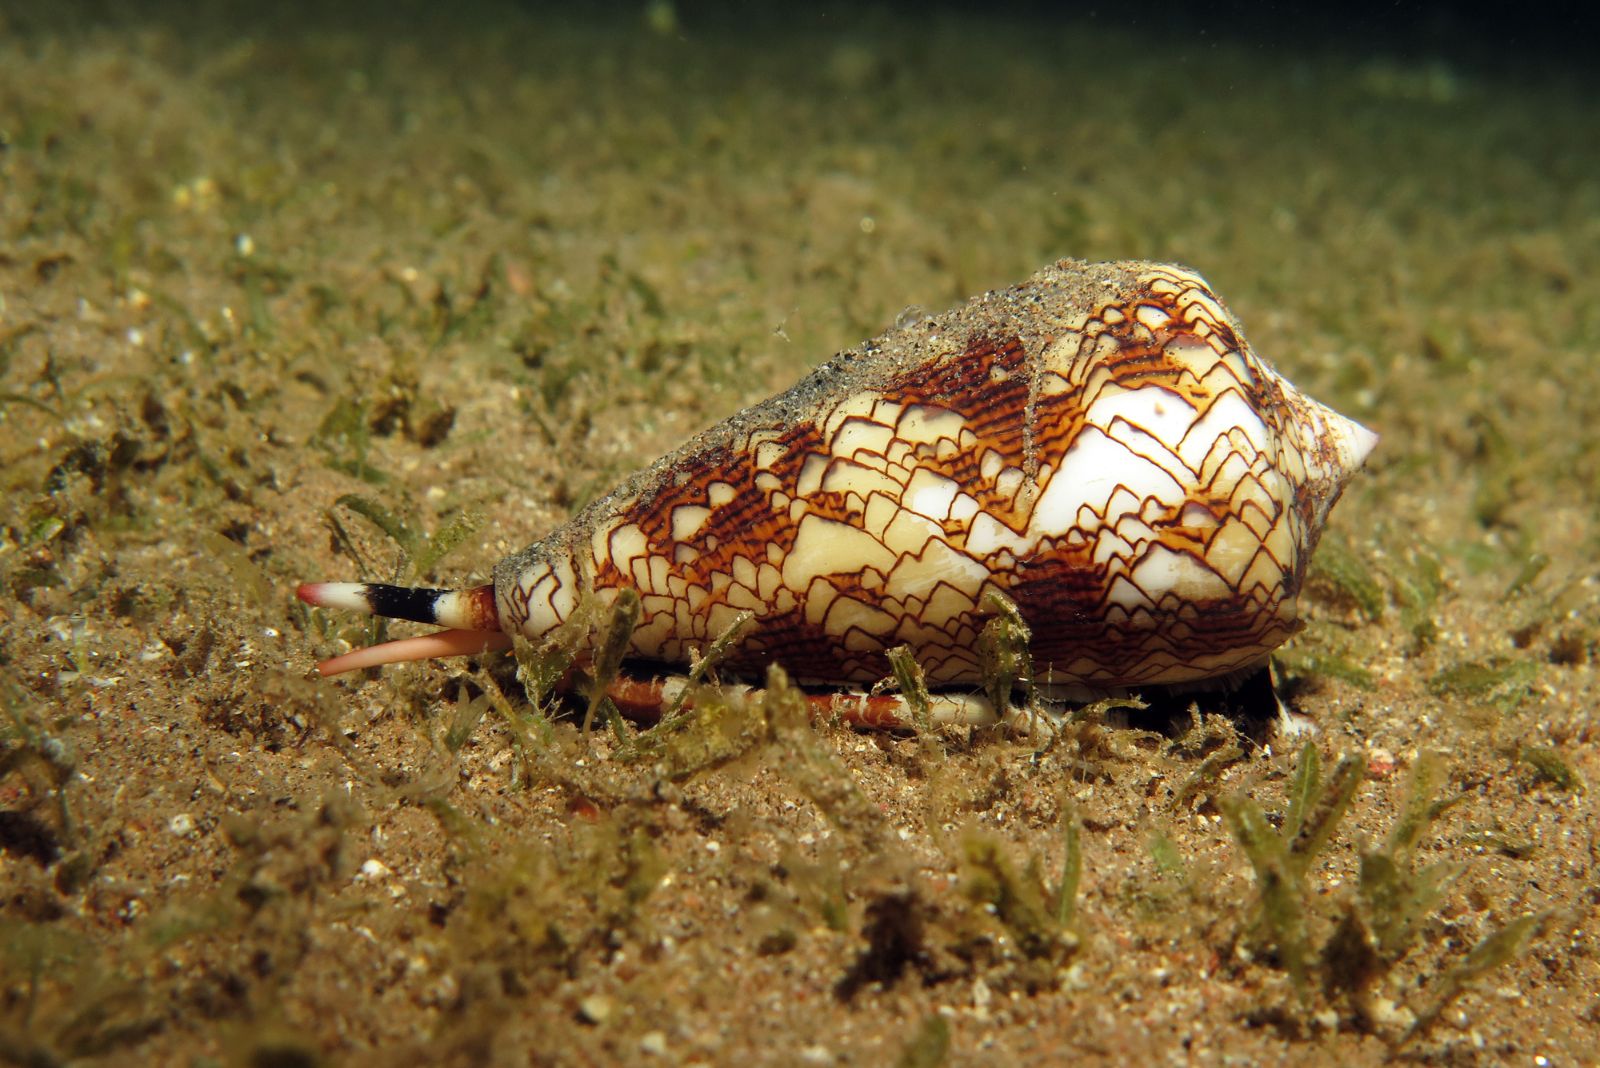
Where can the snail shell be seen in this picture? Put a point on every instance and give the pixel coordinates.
(1098, 443)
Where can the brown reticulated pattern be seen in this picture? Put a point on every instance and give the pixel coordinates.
(1122, 475)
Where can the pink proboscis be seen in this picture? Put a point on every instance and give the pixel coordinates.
(421, 647)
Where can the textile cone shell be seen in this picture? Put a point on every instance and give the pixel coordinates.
(1098, 443)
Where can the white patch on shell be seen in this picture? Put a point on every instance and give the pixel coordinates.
(551, 591)
(860, 434)
(828, 547)
(1163, 572)
(1228, 412)
(687, 519)
(930, 495)
(1094, 468)
(917, 576)
(926, 424)
(810, 477)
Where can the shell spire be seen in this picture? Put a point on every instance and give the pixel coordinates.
(1099, 444)
(1335, 447)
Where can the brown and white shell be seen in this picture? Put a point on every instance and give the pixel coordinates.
(1099, 443)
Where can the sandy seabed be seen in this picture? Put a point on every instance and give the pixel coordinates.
(486, 262)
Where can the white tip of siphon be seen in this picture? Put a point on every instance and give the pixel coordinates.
(348, 596)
